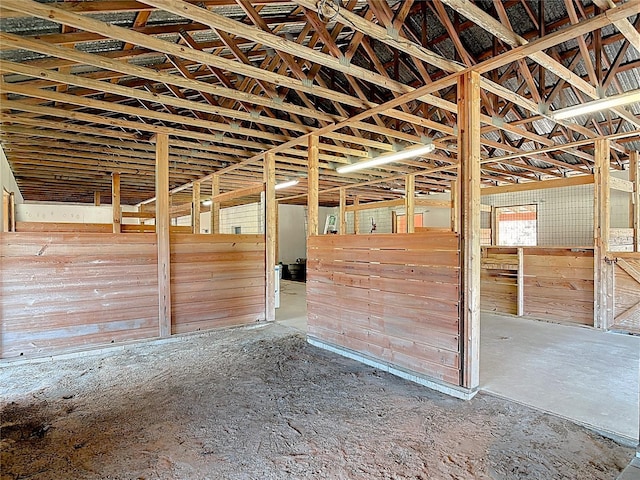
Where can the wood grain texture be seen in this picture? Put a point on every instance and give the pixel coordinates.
(559, 285)
(63, 291)
(390, 296)
(217, 281)
(627, 294)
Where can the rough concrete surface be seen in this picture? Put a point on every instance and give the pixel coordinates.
(263, 404)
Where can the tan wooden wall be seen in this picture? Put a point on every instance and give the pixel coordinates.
(62, 291)
(557, 283)
(216, 281)
(626, 292)
(66, 291)
(498, 280)
(392, 297)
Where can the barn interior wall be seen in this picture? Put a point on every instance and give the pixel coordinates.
(70, 213)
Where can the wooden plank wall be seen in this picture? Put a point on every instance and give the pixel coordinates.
(392, 297)
(558, 284)
(92, 227)
(499, 280)
(626, 295)
(62, 291)
(216, 281)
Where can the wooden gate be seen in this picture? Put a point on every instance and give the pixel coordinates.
(626, 283)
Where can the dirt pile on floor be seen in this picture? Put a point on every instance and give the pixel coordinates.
(263, 404)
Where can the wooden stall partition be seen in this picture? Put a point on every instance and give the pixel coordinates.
(216, 281)
(499, 280)
(66, 291)
(390, 297)
(558, 284)
(626, 292)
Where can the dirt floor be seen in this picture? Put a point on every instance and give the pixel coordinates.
(263, 404)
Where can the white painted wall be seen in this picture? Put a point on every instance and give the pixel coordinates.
(69, 213)
(8, 182)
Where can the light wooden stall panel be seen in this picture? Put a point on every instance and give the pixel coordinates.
(216, 281)
(558, 284)
(393, 298)
(64, 291)
(499, 280)
(626, 292)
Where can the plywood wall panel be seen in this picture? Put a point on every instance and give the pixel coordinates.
(391, 297)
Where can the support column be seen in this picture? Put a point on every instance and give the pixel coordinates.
(342, 226)
(270, 235)
(634, 207)
(115, 202)
(601, 224)
(215, 206)
(96, 199)
(195, 208)
(312, 196)
(455, 208)
(162, 233)
(356, 215)
(469, 217)
(410, 202)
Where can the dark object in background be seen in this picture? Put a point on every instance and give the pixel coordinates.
(298, 270)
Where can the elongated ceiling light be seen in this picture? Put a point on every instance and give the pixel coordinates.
(597, 105)
(290, 183)
(206, 203)
(388, 158)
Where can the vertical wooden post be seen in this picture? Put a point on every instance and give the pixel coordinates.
(312, 196)
(455, 209)
(215, 206)
(12, 211)
(342, 227)
(115, 202)
(469, 204)
(410, 201)
(96, 199)
(195, 208)
(356, 215)
(601, 223)
(162, 233)
(520, 282)
(270, 235)
(634, 207)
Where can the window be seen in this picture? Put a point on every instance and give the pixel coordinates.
(400, 222)
(237, 230)
(517, 225)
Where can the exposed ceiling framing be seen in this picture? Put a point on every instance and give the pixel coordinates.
(86, 84)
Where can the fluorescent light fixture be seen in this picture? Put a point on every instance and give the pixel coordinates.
(206, 203)
(388, 158)
(290, 183)
(597, 105)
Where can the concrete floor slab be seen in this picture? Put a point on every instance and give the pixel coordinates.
(585, 375)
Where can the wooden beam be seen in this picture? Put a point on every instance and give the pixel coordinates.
(359, 207)
(342, 228)
(601, 224)
(520, 282)
(215, 205)
(469, 204)
(455, 207)
(115, 202)
(410, 202)
(356, 215)
(96, 199)
(162, 232)
(524, 187)
(634, 207)
(195, 209)
(312, 199)
(271, 222)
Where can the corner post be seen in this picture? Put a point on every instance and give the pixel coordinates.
(270, 235)
(601, 224)
(162, 233)
(312, 198)
(115, 202)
